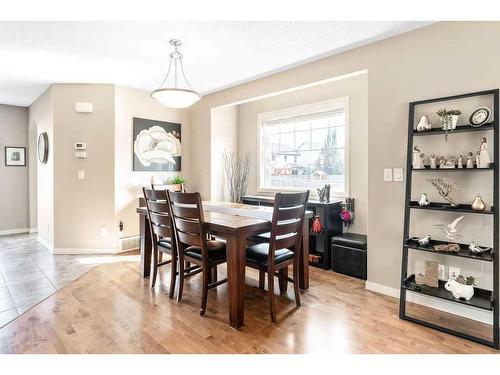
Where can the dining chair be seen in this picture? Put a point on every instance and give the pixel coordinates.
(283, 248)
(160, 225)
(193, 245)
(162, 186)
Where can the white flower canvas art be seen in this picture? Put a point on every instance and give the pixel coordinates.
(157, 145)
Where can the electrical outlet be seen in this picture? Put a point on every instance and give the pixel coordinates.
(103, 231)
(453, 272)
(441, 272)
(388, 174)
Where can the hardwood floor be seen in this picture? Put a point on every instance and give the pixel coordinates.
(111, 309)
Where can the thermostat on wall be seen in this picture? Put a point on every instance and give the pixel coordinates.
(80, 146)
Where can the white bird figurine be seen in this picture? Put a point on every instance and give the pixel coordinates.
(423, 202)
(474, 249)
(450, 229)
(424, 241)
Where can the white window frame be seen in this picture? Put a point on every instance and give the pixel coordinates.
(323, 106)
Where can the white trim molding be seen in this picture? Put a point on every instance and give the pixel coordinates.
(33, 230)
(13, 231)
(420, 299)
(45, 244)
(83, 251)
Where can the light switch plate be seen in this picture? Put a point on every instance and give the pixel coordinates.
(441, 272)
(81, 174)
(398, 174)
(388, 174)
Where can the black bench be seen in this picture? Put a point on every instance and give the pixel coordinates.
(349, 254)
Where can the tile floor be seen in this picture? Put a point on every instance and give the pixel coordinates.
(29, 273)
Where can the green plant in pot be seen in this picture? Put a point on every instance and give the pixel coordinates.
(449, 118)
(177, 183)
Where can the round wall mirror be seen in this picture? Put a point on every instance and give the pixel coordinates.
(43, 147)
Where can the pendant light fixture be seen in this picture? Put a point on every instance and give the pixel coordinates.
(180, 94)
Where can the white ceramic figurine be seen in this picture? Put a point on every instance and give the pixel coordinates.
(484, 157)
(418, 161)
(470, 163)
(459, 290)
(433, 161)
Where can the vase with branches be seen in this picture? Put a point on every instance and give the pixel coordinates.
(446, 188)
(237, 169)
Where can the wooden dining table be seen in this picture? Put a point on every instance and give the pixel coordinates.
(235, 223)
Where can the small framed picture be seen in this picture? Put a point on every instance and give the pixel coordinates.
(15, 156)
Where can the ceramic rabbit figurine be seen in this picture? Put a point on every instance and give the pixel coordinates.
(459, 290)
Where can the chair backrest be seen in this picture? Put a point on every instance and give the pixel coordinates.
(158, 213)
(187, 217)
(288, 218)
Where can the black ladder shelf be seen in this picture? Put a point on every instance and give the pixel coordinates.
(482, 299)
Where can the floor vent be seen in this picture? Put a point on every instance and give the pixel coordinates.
(129, 243)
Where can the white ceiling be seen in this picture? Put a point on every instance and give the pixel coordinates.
(216, 54)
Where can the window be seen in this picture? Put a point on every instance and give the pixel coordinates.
(305, 147)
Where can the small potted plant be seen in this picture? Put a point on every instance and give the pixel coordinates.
(461, 287)
(176, 183)
(449, 118)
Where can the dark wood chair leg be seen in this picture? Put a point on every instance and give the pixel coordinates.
(155, 268)
(204, 291)
(262, 279)
(181, 280)
(296, 280)
(173, 276)
(283, 282)
(213, 274)
(270, 287)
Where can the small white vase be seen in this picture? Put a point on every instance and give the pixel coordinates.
(478, 204)
(454, 121)
(424, 124)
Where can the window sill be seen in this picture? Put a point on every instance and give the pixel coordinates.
(313, 195)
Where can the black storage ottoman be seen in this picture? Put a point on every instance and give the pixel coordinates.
(349, 254)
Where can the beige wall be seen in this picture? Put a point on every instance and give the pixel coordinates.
(14, 206)
(83, 207)
(224, 136)
(41, 119)
(130, 103)
(356, 89)
(434, 61)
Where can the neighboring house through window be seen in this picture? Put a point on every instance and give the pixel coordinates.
(305, 147)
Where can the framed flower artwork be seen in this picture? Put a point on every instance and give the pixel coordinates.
(156, 145)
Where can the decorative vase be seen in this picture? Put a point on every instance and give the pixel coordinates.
(447, 122)
(459, 290)
(478, 204)
(424, 124)
(317, 227)
(454, 121)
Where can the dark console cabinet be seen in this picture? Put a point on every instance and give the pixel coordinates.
(319, 243)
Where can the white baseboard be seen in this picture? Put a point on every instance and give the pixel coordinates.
(45, 244)
(83, 251)
(33, 230)
(13, 231)
(438, 304)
